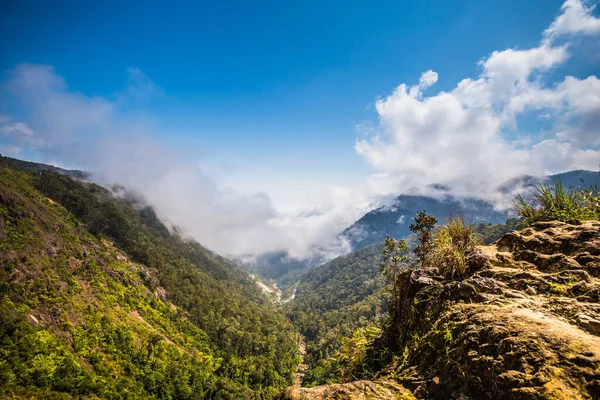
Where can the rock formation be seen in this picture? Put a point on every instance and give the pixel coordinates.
(523, 324)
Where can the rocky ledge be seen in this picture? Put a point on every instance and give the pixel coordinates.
(371, 390)
(524, 324)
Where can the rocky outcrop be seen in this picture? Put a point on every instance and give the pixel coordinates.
(524, 324)
(372, 390)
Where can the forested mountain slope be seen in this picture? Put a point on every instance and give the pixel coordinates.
(98, 298)
(395, 220)
(36, 168)
(332, 301)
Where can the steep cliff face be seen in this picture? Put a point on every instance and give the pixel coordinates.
(525, 324)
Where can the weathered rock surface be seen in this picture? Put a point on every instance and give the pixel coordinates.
(372, 390)
(525, 324)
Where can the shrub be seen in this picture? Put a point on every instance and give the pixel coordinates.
(423, 227)
(452, 243)
(554, 202)
(352, 356)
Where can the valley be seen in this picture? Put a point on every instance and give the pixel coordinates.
(291, 200)
(100, 298)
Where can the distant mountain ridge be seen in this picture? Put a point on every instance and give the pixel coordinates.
(394, 220)
(36, 168)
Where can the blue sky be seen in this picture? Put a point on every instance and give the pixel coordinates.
(304, 100)
(281, 82)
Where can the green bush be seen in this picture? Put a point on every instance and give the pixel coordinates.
(352, 356)
(554, 202)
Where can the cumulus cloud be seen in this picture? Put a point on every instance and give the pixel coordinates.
(469, 139)
(427, 79)
(575, 17)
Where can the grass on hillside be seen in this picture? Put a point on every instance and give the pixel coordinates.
(554, 202)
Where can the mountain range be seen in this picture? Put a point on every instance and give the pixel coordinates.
(98, 298)
(395, 219)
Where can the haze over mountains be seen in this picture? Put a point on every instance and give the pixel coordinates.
(395, 219)
(371, 228)
(527, 109)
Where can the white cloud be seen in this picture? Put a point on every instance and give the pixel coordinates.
(18, 128)
(428, 78)
(575, 17)
(469, 139)
(466, 138)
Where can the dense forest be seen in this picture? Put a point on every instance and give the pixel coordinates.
(332, 301)
(99, 298)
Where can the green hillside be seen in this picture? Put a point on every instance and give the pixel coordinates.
(332, 301)
(99, 299)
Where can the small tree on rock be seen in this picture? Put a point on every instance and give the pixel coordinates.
(423, 227)
(394, 259)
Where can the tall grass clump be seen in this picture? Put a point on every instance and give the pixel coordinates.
(554, 202)
(452, 243)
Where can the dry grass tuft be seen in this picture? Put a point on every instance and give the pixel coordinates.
(451, 246)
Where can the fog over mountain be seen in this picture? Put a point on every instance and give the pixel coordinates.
(469, 140)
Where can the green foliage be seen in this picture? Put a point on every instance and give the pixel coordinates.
(394, 258)
(332, 301)
(423, 227)
(393, 263)
(552, 201)
(489, 233)
(352, 355)
(452, 243)
(99, 299)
